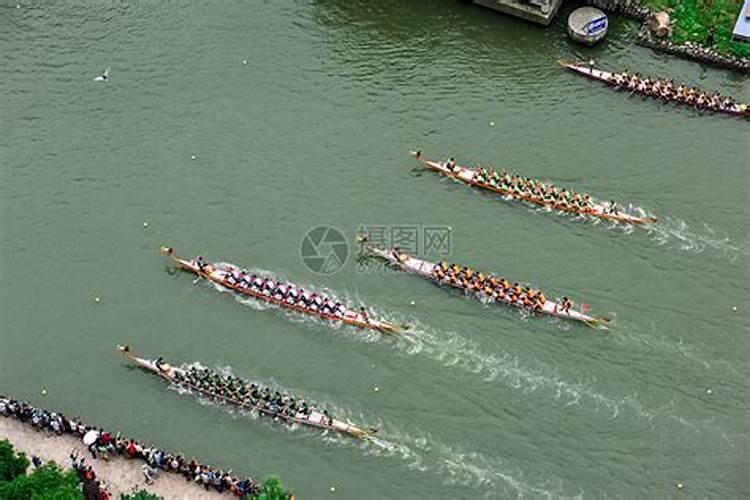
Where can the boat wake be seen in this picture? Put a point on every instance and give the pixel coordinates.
(455, 351)
(472, 470)
(420, 450)
(455, 466)
(677, 234)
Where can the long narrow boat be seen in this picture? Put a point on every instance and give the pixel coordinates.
(178, 376)
(607, 77)
(426, 270)
(217, 273)
(469, 176)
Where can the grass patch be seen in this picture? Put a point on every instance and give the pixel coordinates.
(706, 22)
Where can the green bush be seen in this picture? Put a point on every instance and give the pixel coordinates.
(11, 465)
(47, 482)
(141, 495)
(272, 490)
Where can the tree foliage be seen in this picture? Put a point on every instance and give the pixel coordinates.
(272, 490)
(141, 495)
(11, 465)
(47, 482)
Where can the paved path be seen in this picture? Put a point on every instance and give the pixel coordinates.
(121, 475)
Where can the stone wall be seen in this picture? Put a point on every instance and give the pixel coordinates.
(629, 8)
(692, 51)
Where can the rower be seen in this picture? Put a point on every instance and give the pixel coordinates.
(526, 301)
(317, 302)
(567, 305)
(493, 177)
(247, 281)
(200, 262)
(326, 307)
(438, 272)
(339, 309)
(613, 208)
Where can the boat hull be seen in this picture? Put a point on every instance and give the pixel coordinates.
(351, 317)
(424, 269)
(607, 78)
(466, 175)
(315, 419)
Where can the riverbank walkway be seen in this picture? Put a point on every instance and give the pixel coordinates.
(122, 476)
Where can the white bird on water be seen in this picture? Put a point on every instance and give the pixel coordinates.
(104, 77)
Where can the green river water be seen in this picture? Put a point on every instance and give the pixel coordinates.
(474, 401)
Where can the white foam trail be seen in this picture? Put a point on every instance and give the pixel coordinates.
(676, 233)
(653, 339)
(453, 350)
(422, 452)
(456, 466)
(496, 476)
